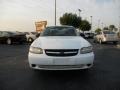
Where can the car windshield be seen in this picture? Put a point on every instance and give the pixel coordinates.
(59, 31)
(108, 32)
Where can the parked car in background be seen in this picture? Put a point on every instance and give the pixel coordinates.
(11, 37)
(31, 36)
(87, 34)
(60, 48)
(106, 36)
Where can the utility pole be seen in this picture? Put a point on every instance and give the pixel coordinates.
(119, 25)
(79, 10)
(102, 25)
(55, 12)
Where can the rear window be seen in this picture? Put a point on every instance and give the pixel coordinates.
(11, 33)
(108, 32)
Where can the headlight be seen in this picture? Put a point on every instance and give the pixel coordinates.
(36, 50)
(86, 50)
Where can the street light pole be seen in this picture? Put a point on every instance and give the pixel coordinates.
(102, 25)
(119, 24)
(98, 23)
(55, 12)
(79, 11)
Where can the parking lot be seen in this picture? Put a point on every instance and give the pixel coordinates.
(15, 73)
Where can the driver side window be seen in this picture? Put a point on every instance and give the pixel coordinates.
(5, 34)
(1, 34)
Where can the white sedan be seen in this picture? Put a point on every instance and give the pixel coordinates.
(60, 48)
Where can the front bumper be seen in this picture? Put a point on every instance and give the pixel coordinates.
(44, 62)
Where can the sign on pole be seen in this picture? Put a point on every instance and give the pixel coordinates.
(40, 26)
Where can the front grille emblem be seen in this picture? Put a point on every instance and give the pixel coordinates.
(62, 53)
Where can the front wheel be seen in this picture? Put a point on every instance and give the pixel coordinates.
(9, 41)
(115, 42)
(30, 40)
(94, 41)
(100, 41)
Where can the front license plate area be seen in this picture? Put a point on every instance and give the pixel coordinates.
(62, 61)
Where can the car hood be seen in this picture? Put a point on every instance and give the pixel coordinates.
(61, 42)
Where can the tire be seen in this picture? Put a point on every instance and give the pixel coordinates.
(30, 40)
(9, 41)
(100, 41)
(20, 42)
(115, 42)
(94, 41)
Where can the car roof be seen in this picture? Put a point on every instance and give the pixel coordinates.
(7, 31)
(66, 26)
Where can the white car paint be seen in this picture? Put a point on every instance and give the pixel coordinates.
(45, 62)
(109, 37)
(59, 42)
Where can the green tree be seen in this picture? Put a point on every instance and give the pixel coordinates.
(105, 28)
(98, 30)
(70, 19)
(112, 27)
(85, 25)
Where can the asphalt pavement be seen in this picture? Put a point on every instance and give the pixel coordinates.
(15, 73)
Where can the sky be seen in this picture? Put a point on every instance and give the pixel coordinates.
(21, 15)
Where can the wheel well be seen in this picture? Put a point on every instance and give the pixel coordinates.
(9, 38)
(30, 38)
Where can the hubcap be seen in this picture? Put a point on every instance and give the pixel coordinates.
(100, 41)
(8, 41)
(30, 40)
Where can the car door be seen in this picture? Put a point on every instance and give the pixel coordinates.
(3, 36)
(0, 36)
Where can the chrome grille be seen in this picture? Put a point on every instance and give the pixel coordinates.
(61, 52)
